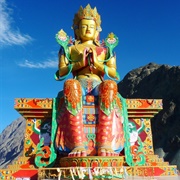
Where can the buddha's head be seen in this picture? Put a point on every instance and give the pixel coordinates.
(86, 24)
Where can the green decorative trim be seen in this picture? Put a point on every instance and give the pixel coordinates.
(91, 136)
(117, 78)
(140, 154)
(127, 148)
(53, 133)
(35, 129)
(58, 78)
(40, 153)
(141, 129)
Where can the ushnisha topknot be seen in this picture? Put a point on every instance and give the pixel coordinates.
(87, 13)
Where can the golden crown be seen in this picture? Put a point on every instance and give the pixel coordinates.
(87, 13)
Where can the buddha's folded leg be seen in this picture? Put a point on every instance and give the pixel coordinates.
(105, 135)
(73, 101)
(75, 138)
(107, 95)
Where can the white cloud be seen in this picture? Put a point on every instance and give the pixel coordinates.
(8, 35)
(39, 65)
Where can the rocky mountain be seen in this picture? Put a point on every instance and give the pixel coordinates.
(159, 82)
(150, 81)
(12, 142)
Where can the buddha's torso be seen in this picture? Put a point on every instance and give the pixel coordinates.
(77, 53)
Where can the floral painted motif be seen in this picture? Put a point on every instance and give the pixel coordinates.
(73, 96)
(108, 98)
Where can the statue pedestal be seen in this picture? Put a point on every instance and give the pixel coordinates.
(38, 115)
(92, 161)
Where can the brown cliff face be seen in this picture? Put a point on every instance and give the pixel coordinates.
(159, 82)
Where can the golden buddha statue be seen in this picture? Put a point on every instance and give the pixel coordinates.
(89, 61)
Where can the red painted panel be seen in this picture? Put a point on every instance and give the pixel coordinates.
(25, 173)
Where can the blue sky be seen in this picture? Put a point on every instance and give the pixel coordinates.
(148, 31)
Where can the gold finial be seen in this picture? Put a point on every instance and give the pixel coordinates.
(87, 13)
(111, 35)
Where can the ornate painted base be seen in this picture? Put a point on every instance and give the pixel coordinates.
(39, 119)
(92, 161)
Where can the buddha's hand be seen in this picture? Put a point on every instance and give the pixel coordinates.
(86, 58)
(87, 52)
(81, 61)
(89, 56)
(96, 64)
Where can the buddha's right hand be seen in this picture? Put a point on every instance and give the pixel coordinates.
(80, 63)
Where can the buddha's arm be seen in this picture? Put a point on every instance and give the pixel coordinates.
(63, 65)
(111, 64)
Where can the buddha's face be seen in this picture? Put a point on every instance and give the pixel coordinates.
(87, 30)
